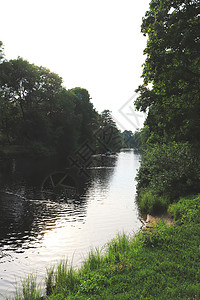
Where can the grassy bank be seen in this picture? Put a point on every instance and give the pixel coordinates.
(162, 262)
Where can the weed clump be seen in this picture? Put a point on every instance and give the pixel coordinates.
(29, 290)
(151, 203)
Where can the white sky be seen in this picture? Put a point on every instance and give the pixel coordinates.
(93, 44)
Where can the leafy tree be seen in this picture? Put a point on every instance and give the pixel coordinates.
(141, 138)
(34, 107)
(64, 123)
(172, 67)
(32, 92)
(107, 119)
(127, 136)
(86, 115)
(170, 95)
(171, 170)
(36, 111)
(1, 52)
(4, 134)
(109, 137)
(138, 139)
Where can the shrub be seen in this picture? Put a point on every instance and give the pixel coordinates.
(151, 203)
(186, 210)
(170, 170)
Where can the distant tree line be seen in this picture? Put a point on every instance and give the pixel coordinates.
(137, 139)
(37, 112)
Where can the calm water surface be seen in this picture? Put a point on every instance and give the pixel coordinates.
(43, 220)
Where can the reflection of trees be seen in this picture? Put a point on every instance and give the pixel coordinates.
(22, 176)
(25, 217)
(101, 171)
(59, 186)
(24, 222)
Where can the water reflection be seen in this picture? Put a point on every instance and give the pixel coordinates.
(23, 223)
(40, 222)
(31, 203)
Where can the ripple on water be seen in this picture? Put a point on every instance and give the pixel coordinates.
(36, 232)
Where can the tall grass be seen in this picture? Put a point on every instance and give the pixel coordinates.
(118, 247)
(63, 279)
(94, 261)
(186, 210)
(151, 203)
(29, 290)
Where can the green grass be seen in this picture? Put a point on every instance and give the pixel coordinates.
(186, 210)
(162, 262)
(152, 204)
(29, 290)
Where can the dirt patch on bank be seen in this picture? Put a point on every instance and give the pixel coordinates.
(152, 220)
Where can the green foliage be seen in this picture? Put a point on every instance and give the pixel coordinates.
(170, 165)
(93, 262)
(1, 51)
(186, 210)
(128, 140)
(108, 137)
(37, 111)
(63, 280)
(137, 140)
(49, 280)
(156, 235)
(29, 290)
(151, 203)
(142, 137)
(118, 248)
(27, 101)
(85, 113)
(172, 67)
(170, 171)
(92, 283)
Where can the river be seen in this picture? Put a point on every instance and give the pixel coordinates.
(49, 212)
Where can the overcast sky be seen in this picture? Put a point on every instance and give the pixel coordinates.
(91, 44)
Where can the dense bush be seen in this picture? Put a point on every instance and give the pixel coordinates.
(151, 203)
(186, 210)
(171, 170)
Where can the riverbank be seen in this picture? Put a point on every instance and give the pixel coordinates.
(13, 151)
(162, 262)
(34, 150)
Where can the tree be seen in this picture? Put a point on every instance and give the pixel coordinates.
(31, 91)
(172, 67)
(37, 112)
(86, 115)
(64, 123)
(127, 136)
(107, 119)
(1, 52)
(170, 94)
(109, 137)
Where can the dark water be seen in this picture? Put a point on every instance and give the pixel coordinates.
(49, 212)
